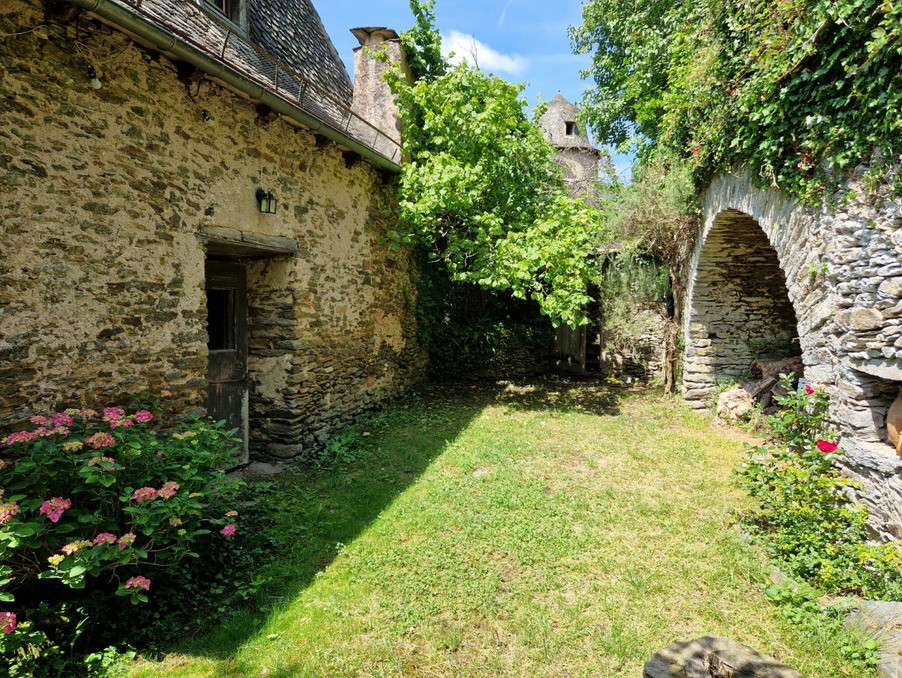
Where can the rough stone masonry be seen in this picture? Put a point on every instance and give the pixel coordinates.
(770, 278)
(110, 198)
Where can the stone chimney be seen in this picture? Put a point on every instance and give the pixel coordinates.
(372, 99)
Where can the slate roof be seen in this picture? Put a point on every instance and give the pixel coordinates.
(293, 31)
(286, 50)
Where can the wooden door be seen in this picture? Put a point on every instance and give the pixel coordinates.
(227, 387)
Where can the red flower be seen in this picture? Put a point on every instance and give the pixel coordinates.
(808, 389)
(826, 446)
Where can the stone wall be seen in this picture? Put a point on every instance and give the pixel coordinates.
(842, 279)
(644, 361)
(106, 194)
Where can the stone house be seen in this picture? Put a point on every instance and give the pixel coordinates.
(192, 205)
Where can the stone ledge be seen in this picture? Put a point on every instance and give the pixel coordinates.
(232, 242)
(869, 455)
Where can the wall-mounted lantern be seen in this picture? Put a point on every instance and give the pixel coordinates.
(266, 201)
(92, 75)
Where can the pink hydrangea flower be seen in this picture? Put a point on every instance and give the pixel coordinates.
(116, 423)
(73, 446)
(7, 622)
(111, 413)
(93, 461)
(144, 494)
(169, 488)
(126, 540)
(38, 420)
(21, 437)
(53, 508)
(228, 530)
(99, 440)
(175, 522)
(7, 511)
(88, 413)
(75, 547)
(61, 419)
(138, 583)
(104, 538)
(826, 446)
(143, 415)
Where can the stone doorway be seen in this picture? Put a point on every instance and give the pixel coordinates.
(739, 308)
(227, 377)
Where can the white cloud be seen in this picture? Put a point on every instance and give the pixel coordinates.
(504, 12)
(467, 48)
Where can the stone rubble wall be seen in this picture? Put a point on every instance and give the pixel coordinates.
(645, 363)
(843, 278)
(104, 196)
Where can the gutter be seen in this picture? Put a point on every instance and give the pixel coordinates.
(145, 29)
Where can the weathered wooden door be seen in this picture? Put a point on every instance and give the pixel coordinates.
(227, 388)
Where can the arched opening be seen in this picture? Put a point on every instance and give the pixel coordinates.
(739, 310)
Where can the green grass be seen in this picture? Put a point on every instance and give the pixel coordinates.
(553, 529)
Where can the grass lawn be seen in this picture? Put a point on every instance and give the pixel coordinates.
(547, 529)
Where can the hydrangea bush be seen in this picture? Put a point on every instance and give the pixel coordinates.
(109, 498)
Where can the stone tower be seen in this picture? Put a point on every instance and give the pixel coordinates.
(575, 152)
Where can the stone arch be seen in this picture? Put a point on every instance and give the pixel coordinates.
(748, 297)
(740, 306)
(842, 277)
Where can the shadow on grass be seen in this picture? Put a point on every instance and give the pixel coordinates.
(310, 513)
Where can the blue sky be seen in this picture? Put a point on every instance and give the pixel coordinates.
(518, 40)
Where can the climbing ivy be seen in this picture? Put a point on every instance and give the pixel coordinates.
(800, 91)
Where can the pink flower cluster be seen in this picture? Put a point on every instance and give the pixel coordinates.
(8, 622)
(21, 437)
(99, 440)
(808, 389)
(75, 546)
(144, 494)
(826, 446)
(53, 508)
(47, 432)
(104, 538)
(115, 423)
(7, 511)
(112, 413)
(228, 530)
(61, 419)
(169, 488)
(143, 415)
(93, 461)
(126, 540)
(138, 583)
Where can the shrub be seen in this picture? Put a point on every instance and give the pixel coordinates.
(105, 502)
(803, 517)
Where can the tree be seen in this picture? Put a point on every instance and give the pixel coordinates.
(480, 189)
(799, 91)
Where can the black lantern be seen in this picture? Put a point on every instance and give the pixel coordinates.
(267, 201)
